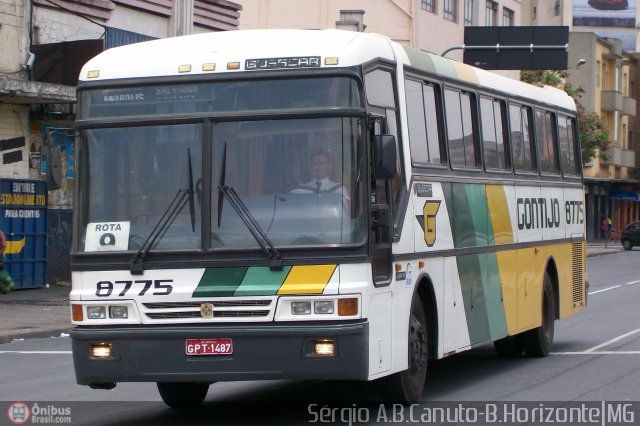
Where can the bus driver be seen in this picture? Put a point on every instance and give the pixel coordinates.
(320, 167)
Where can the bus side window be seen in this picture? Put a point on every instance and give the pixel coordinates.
(422, 116)
(379, 85)
(493, 140)
(460, 130)
(567, 146)
(520, 137)
(545, 140)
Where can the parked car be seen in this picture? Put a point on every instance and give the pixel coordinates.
(631, 235)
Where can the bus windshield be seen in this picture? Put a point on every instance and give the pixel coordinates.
(299, 179)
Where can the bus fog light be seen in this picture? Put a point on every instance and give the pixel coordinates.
(101, 350)
(347, 307)
(323, 307)
(325, 347)
(118, 312)
(96, 312)
(300, 308)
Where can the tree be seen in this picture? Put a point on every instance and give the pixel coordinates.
(594, 136)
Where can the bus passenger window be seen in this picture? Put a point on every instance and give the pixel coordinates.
(520, 138)
(460, 129)
(422, 116)
(567, 146)
(545, 140)
(491, 112)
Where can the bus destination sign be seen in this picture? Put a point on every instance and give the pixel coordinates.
(277, 63)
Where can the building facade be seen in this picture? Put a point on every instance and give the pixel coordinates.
(432, 25)
(602, 63)
(44, 43)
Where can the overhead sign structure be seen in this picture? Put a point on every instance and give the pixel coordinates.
(516, 48)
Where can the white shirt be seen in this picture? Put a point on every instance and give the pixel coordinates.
(322, 185)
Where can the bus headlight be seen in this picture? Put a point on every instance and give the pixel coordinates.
(323, 307)
(320, 308)
(118, 312)
(301, 308)
(96, 312)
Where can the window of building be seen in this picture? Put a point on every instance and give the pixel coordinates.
(491, 13)
(534, 13)
(451, 10)
(556, 8)
(422, 114)
(521, 137)
(428, 5)
(507, 17)
(598, 65)
(468, 12)
(460, 132)
(545, 140)
(567, 146)
(491, 113)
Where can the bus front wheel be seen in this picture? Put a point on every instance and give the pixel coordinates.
(183, 395)
(407, 386)
(537, 342)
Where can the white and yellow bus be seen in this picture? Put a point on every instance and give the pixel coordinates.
(291, 204)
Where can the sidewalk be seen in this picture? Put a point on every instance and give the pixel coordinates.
(44, 312)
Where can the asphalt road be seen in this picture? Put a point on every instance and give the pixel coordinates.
(595, 358)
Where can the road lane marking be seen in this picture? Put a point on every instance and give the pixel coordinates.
(606, 289)
(37, 352)
(614, 287)
(598, 353)
(614, 340)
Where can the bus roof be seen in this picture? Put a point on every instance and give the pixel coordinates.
(212, 53)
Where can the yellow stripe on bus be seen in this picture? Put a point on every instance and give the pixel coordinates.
(499, 212)
(307, 279)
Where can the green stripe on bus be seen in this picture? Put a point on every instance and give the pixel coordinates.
(444, 66)
(220, 282)
(493, 297)
(473, 296)
(460, 216)
(479, 211)
(479, 274)
(418, 59)
(262, 281)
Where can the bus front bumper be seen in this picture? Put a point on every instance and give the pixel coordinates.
(260, 352)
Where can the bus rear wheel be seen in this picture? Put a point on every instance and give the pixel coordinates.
(183, 395)
(407, 386)
(538, 342)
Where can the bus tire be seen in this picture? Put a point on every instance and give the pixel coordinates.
(407, 386)
(538, 342)
(183, 395)
(508, 347)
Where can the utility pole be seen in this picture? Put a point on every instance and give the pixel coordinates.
(182, 18)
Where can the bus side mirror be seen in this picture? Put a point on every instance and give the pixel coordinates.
(54, 167)
(384, 156)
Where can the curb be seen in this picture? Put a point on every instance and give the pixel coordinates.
(52, 332)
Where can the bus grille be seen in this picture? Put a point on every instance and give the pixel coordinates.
(222, 309)
(577, 278)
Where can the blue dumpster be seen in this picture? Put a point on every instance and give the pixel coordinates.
(23, 218)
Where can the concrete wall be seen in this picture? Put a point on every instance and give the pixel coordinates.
(12, 35)
(14, 123)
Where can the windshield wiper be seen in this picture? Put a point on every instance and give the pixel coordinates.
(192, 206)
(182, 197)
(275, 260)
